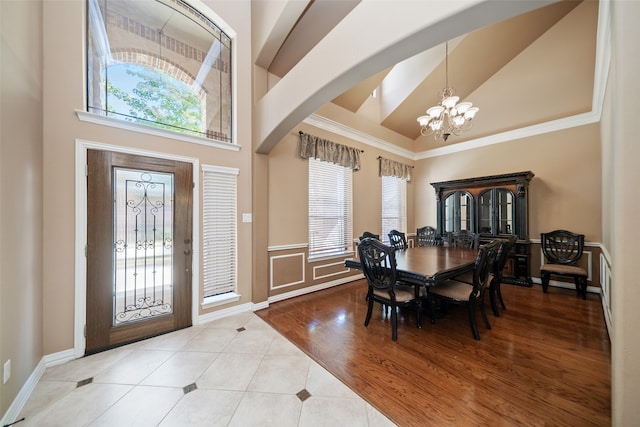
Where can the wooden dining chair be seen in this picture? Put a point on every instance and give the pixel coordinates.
(471, 295)
(562, 250)
(379, 267)
(398, 240)
(464, 239)
(495, 294)
(369, 234)
(426, 236)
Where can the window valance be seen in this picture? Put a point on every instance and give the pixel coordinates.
(322, 149)
(393, 168)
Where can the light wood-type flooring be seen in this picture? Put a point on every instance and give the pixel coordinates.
(545, 362)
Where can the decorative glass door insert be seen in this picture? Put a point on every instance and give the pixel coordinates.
(143, 245)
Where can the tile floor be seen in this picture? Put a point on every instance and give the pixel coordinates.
(236, 371)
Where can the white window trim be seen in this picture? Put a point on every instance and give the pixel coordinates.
(85, 116)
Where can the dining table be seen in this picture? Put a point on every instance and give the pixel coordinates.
(428, 265)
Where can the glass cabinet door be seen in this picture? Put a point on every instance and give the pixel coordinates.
(504, 214)
(485, 210)
(458, 212)
(496, 212)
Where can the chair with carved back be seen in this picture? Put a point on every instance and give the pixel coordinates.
(464, 239)
(471, 295)
(369, 234)
(562, 250)
(426, 236)
(398, 240)
(379, 268)
(495, 293)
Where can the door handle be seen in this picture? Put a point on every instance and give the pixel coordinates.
(187, 251)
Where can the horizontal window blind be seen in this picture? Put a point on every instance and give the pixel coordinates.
(330, 208)
(219, 230)
(394, 205)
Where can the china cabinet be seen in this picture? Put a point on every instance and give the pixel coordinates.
(491, 206)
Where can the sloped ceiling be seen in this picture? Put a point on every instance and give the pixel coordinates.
(555, 41)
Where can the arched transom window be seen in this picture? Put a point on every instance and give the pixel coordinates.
(160, 63)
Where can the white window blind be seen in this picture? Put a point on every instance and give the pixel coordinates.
(219, 230)
(394, 205)
(330, 209)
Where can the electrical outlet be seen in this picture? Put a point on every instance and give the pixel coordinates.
(6, 372)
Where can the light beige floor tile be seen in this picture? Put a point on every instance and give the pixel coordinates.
(210, 340)
(141, 407)
(45, 394)
(282, 346)
(80, 407)
(281, 374)
(231, 322)
(250, 341)
(134, 367)
(256, 322)
(230, 372)
(321, 383)
(377, 419)
(206, 408)
(171, 341)
(182, 369)
(85, 367)
(243, 378)
(267, 409)
(333, 412)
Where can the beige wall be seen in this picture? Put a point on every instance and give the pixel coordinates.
(622, 139)
(21, 188)
(564, 193)
(288, 189)
(63, 95)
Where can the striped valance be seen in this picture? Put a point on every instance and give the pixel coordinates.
(322, 149)
(393, 168)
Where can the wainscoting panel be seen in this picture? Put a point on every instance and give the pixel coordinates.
(287, 270)
(329, 270)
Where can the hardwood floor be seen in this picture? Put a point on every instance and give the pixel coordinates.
(546, 360)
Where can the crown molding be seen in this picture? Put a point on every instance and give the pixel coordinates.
(348, 132)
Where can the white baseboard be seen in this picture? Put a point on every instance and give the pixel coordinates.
(314, 288)
(566, 285)
(25, 392)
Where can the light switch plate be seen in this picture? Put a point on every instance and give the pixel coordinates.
(246, 217)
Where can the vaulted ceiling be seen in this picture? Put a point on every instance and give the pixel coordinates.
(519, 72)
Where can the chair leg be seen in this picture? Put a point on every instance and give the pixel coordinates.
(483, 312)
(472, 319)
(581, 286)
(545, 281)
(369, 311)
(492, 297)
(499, 292)
(418, 315)
(394, 323)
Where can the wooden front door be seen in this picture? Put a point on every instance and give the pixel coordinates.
(139, 225)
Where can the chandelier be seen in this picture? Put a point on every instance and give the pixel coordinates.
(449, 116)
